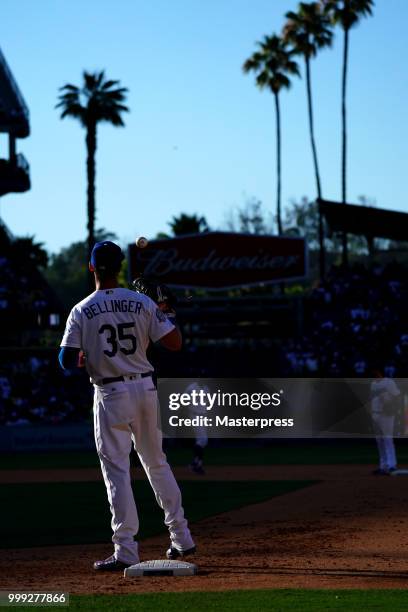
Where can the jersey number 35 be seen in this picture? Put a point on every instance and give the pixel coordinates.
(118, 334)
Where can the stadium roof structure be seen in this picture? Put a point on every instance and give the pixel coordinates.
(365, 220)
(14, 114)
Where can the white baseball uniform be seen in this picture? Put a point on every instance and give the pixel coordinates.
(200, 431)
(113, 327)
(383, 393)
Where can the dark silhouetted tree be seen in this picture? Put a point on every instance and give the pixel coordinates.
(24, 252)
(67, 272)
(346, 14)
(28, 254)
(302, 219)
(272, 64)
(96, 100)
(188, 224)
(249, 219)
(309, 30)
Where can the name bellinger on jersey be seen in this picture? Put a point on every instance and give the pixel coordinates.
(97, 308)
(118, 329)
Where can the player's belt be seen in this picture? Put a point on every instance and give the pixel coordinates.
(113, 379)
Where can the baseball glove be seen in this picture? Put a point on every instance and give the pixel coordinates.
(159, 293)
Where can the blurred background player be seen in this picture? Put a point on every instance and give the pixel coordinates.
(200, 431)
(113, 327)
(383, 398)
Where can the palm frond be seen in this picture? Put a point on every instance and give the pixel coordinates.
(272, 62)
(112, 95)
(309, 29)
(109, 84)
(262, 79)
(97, 100)
(252, 63)
(116, 120)
(347, 13)
(74, 110)
(68, 87)
(99, 79)
(123, 108)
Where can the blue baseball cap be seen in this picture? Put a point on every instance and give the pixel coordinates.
(107, 255)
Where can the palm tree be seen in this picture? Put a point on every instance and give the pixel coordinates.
(97, 100)
(347, 14)
(309, 30)
(273, 64)
(188, 224)
(28, 254)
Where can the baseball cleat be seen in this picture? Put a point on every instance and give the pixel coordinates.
(174, 553)
(111, 564)
(196, 466)
(197, 469)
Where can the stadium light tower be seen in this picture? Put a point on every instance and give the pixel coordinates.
(14, 121)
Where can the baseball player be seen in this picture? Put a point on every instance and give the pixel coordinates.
(200, 431)
(113, 328)
(384, 392)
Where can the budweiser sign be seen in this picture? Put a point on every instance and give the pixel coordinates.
(219, 259)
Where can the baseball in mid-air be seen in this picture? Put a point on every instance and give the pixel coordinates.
(142, 242)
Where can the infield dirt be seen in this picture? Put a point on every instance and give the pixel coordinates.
(347, 531)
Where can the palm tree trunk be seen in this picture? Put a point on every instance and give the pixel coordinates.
(316, 168)
(344, 137)
(278, 165)
(311, 127)
(90, 168)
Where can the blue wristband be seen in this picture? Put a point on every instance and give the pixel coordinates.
(171, 316)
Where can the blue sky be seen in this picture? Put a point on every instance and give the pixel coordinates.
(200, 137)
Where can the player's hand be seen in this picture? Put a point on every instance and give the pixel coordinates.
(168, 310)
(161, 294)
(81, 359)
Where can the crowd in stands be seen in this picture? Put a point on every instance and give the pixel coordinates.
(356, 320)
(26, 298)
(353, 321)
(35, 390)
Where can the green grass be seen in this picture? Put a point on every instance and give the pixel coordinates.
(300, 600)
(292, 453)
(49, 460)
(48, 514)
(301, 453)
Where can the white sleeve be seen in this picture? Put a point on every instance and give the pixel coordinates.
(159, 325)
(392, 388)
(72, 333)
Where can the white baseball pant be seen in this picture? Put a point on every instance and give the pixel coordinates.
(384, 429)
(126, 412)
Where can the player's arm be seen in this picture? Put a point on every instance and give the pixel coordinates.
(69, 357)
(172, 341)
(163, 329)
(390, 392)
